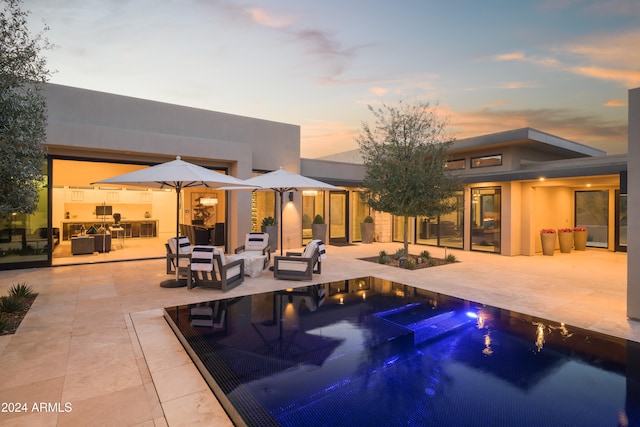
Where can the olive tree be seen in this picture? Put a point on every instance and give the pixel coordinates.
(23, 116)
(405, 154)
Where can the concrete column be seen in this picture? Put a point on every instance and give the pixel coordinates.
(633, 207)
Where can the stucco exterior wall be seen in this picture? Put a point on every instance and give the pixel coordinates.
(90, 124)
(633, 207)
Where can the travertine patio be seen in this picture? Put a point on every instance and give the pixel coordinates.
(95, 337)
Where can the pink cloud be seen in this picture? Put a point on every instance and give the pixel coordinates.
(262, 17)
(615, 103)
(630, 78)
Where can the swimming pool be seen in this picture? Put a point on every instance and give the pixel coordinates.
(373, 352)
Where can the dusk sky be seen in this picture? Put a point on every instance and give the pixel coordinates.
(560, 66)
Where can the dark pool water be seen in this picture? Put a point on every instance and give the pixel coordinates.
(393, 355)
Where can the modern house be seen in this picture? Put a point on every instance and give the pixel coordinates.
(516, 183)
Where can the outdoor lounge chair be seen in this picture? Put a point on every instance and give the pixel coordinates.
(209, 269)
(178, 255)
(256, 243)
(300, 266)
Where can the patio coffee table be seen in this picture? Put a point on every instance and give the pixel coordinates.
(253, 262)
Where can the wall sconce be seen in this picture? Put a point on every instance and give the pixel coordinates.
(291, 196)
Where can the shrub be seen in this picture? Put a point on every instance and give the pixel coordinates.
(4, 323)
(21, 290)
(450, 258)
(432, 262)
(368, 219)
(425, 254)
(409, 265)
(268, 221)
(382, 257)
(11, 304)
(306, 221)
(399, 253)
(318, 219)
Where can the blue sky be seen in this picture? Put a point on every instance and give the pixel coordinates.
(560, 66)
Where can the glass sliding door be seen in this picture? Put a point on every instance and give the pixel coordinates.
(28, 239)
(485, 219)
(338, 218)
(621, 222)
(592, 212)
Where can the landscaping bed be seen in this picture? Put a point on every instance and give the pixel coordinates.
(412, 262)
(14, 307)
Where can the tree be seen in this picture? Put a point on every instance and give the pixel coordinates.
(23, 116)
(405, 156)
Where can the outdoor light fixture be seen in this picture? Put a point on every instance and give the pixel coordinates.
(208, 201)
(291, 196)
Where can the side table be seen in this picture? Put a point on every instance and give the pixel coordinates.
(253, 263)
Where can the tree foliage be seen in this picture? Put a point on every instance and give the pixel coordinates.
(23, 115)
(405, 156)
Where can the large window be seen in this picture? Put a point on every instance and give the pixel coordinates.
(312, 205)
(486, 161)
(592, 212)
(485, 219)
(263, 205)
(398, 229)
(359, 212)
(445, 231)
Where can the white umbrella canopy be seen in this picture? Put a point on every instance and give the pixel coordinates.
(282, 181)
(176, 174)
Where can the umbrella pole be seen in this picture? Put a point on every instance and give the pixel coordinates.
(176, 282)
(281, 221)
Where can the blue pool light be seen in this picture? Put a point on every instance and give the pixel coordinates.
(472, 315)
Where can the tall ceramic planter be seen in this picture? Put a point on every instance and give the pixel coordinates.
(565, 238)
(580, 238)
(319, 231)
(366, 231)
(548, 242)
(272, 230)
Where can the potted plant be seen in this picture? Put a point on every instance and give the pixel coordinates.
(548, 238)
(580, 238)
(270, 226)
(367, 228)
(565, 238)
(319, 228)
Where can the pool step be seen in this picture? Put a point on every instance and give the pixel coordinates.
(431, 327)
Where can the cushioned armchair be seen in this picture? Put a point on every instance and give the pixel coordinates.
(256, 243)
(300, 266)
(209, 269)
(178, 255)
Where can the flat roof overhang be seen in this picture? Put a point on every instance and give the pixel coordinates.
(529, 137)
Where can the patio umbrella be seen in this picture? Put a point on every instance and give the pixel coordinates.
(282, 181)
(176, 174)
